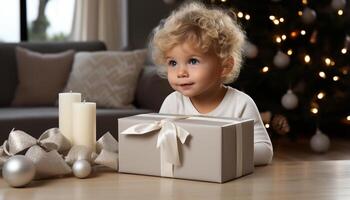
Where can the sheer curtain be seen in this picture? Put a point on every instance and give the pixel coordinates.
(103, 20)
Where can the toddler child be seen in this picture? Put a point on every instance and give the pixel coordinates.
(199, 49)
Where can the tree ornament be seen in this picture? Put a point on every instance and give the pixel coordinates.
(289, 100)
(347, 42)
(81, 168)
(313, 38)
(18, 171)
(279, 124)
(338, 4)
(308, 16)
(319, 142)
(281, 60)
(250, 50)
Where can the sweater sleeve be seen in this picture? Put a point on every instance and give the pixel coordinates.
(168, 105)
(263, 151)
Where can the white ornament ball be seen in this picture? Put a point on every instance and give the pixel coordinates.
(308, 16)
(281, 60)
(18, 171)
(289, 100)
(250, 50)
(319, 142)
(81, 168)
(338, 4)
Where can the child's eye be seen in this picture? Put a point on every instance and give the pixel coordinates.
(172, 63)
(193, 61)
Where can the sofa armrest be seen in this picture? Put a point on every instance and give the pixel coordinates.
(151, 89)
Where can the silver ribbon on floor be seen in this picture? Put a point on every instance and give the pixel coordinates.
(48, 152)
(106, 149)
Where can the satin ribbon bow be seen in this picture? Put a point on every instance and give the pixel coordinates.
(106, 149)
(44, 152)
(167, 136)
(51, 139)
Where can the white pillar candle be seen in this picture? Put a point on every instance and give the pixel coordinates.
(84, 124)
(65, 101)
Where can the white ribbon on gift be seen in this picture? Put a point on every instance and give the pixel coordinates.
(239, 152)
(166, 141)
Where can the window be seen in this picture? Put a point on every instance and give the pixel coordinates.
(9, 21)
(36, 20)
(49, 20)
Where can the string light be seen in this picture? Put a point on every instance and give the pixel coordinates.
(276, 22)
(344, 51)
(314, 110)
(304, 2)
(284, 37)
(348, 118)
(307, 58)
(327, 61)
(320, 95)
(265, 69)
(300, 13)
(340, 12)
(335, 78)
(240, 14)
(281, 19)
(247, 17)
(267, 125)
(223, 0)
(290, 52)
(271, 17)
(278, 39)
(294, 34)
(302, 32)
(322, 74)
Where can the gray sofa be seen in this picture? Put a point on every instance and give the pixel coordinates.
(150, 93)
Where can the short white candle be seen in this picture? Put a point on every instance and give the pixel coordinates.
(65, 101)
(84, 124)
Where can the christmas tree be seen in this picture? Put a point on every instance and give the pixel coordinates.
(297, 61)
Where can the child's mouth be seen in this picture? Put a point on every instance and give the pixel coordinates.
(186, 85)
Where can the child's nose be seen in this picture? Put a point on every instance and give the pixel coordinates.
(182, 72)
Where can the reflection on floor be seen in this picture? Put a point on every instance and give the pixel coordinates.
(287, 150)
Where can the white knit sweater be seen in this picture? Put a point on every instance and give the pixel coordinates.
(235, 104)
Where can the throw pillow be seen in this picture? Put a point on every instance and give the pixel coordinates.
(41, 76)
(107, 78)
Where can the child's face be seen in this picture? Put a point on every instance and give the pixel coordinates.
(193, 73)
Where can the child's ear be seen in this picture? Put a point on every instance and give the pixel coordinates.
(227, 66)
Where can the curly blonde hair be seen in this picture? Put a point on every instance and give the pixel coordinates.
(210, 29)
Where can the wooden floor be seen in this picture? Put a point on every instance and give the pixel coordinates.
(287, 150)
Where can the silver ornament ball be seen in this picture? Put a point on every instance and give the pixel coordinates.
(281, 60)
(320, 142)
(308, 16)
(338, 4)
(18, 171)
(250, 50)
(289, 100)
(81, 168)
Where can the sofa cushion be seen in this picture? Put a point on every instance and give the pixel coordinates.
(151, 89)
(8, 65)
(36, 120)
(41, 76)
(108, 78)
